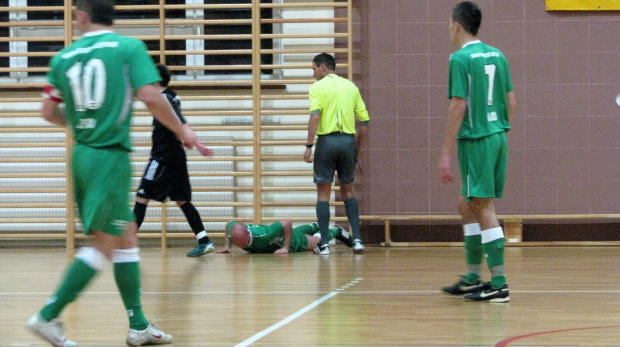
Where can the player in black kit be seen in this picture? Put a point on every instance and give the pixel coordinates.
(166, 174)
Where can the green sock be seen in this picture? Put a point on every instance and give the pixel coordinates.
(127, 276)
(494, 252)
(332, 233)
(78, 275)
(473, 256)
(308, 229)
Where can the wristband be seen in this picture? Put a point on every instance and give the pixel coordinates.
(309, 145)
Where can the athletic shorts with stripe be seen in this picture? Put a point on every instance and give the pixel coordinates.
(162, 180)
(102, 181)
(483, 166)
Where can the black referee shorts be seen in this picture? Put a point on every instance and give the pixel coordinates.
(162, 180)
(335, 152)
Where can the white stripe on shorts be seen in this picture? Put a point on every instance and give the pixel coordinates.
(150, 173)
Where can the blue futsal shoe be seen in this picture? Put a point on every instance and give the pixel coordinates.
(202, 249)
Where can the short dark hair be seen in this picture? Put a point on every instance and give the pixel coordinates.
(326, 59)
(164, 72)
(468, 15)
(100, 11)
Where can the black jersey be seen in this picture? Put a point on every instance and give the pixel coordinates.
(166, 145)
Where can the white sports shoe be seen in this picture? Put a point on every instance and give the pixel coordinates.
(51, 332)
(149, 336)
(322, 250)
(358, 248)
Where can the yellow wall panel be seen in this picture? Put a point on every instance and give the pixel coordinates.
(582, 5)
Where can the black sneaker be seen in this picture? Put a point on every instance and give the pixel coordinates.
(461, 287)
(490, 294)
(343, 236)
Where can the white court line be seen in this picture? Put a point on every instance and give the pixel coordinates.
(361, 292)
(286, 320)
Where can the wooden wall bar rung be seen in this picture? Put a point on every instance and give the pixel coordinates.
(303, 5)
(32, 39)
(30, 8)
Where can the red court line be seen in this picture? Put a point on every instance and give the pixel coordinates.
(505, 343)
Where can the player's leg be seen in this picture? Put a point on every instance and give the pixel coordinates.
(312, 242)
(323, 214)
(324, 169)
(345, 166)
(472, 237)
(92, 186)
(153, 185)
(308, 229)
(338, 233)
(353, 216)
(204, 245)
(139, 210)
(489, 158)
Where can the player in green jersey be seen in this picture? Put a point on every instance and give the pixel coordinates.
(279, 237)
(482, 102)
(96, 77)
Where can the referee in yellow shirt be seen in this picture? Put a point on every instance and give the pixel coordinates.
(334, 103)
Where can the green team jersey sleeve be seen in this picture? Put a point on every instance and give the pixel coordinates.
(142, 71)
(458, 83)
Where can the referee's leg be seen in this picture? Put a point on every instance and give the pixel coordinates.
(323, 214)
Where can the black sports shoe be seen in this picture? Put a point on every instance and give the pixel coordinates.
(461, 287)
(490, 294)
(343, 236)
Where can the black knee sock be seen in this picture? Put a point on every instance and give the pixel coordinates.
(139, 210)
(193, 218)
(353, 215)
(323, 214)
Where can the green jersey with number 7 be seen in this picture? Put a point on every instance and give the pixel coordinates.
(479, 74)
(96, 76)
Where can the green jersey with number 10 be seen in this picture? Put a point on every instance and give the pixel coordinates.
(96, 76)
(479, 74)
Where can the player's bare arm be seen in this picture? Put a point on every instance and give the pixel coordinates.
(456, 112)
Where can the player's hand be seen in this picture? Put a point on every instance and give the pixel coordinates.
(307, 155)
(188, 137)
(445, 174)
(224, 250)
(204, 150)
(281, 251)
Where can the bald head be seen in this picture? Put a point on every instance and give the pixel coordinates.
(240, 235)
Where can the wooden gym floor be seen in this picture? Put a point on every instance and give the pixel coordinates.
(561, 296)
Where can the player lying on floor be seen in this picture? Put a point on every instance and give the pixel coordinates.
(279, 237)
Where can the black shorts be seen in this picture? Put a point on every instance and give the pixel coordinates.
(162, 180)
(335, 153)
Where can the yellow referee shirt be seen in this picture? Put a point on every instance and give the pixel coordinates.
(338, 101)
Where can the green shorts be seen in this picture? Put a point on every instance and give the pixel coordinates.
(299, 242)
(102, 182)
(483, 166)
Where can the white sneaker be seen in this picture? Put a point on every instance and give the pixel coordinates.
(149, 336)
(49, 331)
(358, 248)
(322, 250)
